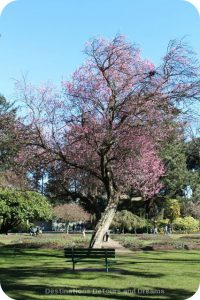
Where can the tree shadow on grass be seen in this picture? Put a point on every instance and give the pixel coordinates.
(113, 271)
(21, 292)
(38, 251)
(15, 275)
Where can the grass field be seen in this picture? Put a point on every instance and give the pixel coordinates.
(43, 273)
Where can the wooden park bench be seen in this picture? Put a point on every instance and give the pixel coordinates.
(89, 254)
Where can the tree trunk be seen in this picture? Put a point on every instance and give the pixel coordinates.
(67, 227)
(4, 230)
(5, 227)
(104, 223)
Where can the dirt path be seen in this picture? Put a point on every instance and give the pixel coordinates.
(116, 245)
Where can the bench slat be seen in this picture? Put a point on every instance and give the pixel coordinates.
(91, 249)
(77, 250)
(90, 256)
(97, 254)
(88, 252)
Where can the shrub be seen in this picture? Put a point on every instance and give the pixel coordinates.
(22, 227)
(18, 206)
(126, 220)
(186, 224)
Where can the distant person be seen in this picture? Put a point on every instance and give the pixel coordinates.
(155, 230)
(83, 232)
(33, 231)
(170, 229)
(166, 229)
(107, 235)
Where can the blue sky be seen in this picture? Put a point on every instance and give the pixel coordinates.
(46, 37)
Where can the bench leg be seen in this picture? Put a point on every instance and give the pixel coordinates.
(73, 262)
(106, 261)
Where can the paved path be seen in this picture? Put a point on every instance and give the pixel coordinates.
(116, 245)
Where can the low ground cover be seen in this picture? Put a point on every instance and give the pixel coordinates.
(160, 241)
(46, 240)
(131, 241)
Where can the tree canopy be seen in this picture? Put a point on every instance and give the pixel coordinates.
(172, 209)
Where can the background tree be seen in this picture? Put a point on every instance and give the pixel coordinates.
(70, 213)
(193, 209)
(172, 209)
(17, 207)
(117, 110)
(8, 133)
(193, 153)
(11, 142)
(177, 176)
(11, 179)
(193, 165)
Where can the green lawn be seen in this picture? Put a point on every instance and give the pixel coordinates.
(26, 273)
